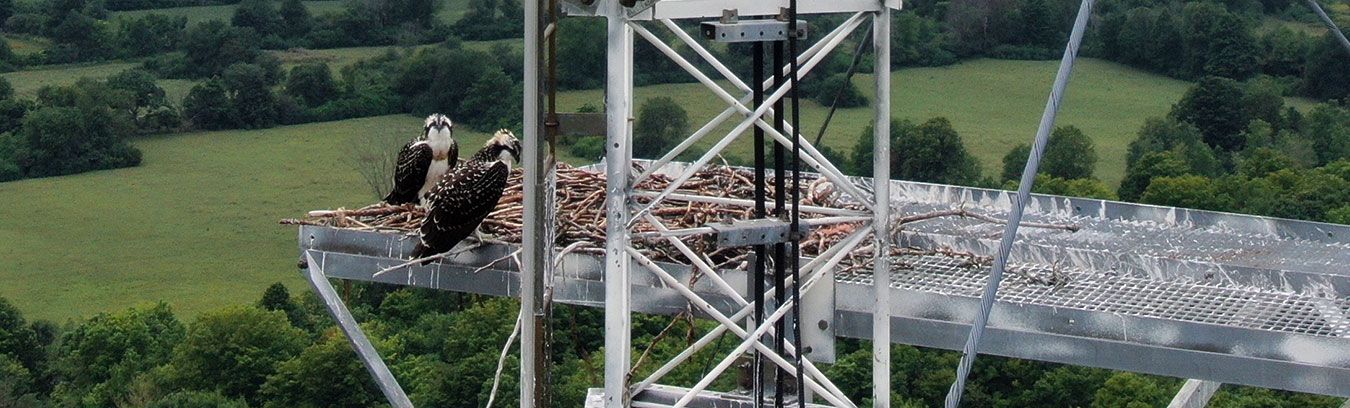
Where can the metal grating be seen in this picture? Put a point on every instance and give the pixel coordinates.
(1124, 295)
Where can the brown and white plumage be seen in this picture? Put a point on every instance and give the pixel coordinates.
(467, 194)
(423, 161)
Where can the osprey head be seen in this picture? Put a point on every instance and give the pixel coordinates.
(438, 126)
(504, 146)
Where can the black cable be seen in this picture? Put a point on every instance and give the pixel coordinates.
(780, 203)
(848, 78)
(795, 227)
(757, 78)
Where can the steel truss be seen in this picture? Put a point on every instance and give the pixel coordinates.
(627, 207)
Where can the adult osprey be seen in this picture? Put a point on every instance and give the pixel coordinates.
(423, 161)
(467, 194)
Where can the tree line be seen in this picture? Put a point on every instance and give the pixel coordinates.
(284, 351)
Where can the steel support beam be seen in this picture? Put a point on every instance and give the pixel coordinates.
(537, 204)
(618, 107)
(369, 356)
(1195, 394)
(881, 171)
(1052, 104)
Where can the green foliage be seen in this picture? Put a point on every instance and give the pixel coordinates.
(295, 19)
(929, 152)
(1187, 192)
(1068, 155)
(1214, 105)
(57, 141)
(312, 84)
(6, 9)
(1218, 42)
(326, 374)
(1339, 216)
(1129, 390)
(585, 56)
(1184, 139)
(19, 342)
(458, 83)
(1152, 165)
(208, 106)
(1325, 74)
(487, 105)
(1259, 162)
(1015, 162)
(98, 360)
(490, 20)
(197, 399)
(1083, 187)
(260, 15)
(661, 124)
(917, 41)
(6, 90)
(212, 46)
(835, 87)
(251, 96)
(1328, 127)
(234, 350)
(151, 34)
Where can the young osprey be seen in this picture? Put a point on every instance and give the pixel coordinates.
(423, 161)
(467, 194)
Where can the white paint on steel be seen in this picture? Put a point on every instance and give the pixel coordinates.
(881, 186)
(618, 107)
(1194, 394)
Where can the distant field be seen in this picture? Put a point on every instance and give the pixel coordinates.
(195, 225)
(994, 104)
(27, 82)
(341, 57)
(198, 14)
(451, 11)
(24, 45)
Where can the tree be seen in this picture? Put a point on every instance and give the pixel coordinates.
(1214, 105)
(1182, 138)
(1130, 390)
(1150, 166)
(1259, 162)
(1068, 155)
(234, 350)
(152, 34)
(6, 9)
(145, 93)
(312, 84)
(1328, 128)
(824, 92)
(584, 66)
(661, 124)
(1040, 26)
(99, 359)
(197, 399)
(487, 106)
(1217, 42)
(61, 140)
(277, 298)
(1325, 75)
(19, 341)
(207, 106)
(296, 21)
(1186, 191)
(259, 15)
(252, 98)
(931, 152)
(212, 46)
(325, 374)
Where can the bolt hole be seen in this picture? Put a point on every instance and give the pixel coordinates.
(1077, 209)
(616, 145)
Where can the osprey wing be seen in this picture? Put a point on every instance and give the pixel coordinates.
(459, 203)
(410, 173)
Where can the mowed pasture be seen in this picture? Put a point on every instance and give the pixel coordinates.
(200, 14)
(993, 104)
(195, 225)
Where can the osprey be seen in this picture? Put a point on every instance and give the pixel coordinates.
(423, 161)
(466, 195)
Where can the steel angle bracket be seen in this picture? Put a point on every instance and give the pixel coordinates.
(750, 30)
(762, 231)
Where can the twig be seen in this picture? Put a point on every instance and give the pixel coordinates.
(501, 360)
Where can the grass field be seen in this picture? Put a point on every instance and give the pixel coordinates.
(199, 14)
(994, 104)
(451, 11)
(25, 45)
(27, 82)
(195, 225)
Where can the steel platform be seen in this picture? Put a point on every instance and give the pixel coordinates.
(1211, 296)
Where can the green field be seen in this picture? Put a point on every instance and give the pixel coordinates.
(994, 104)
(25, 45)
(27, 82)
(451, 11)
(195, 225)
(198, 14)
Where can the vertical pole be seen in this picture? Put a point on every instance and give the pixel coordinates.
(780, 208)
(618, 98)
(1019, 203)
(535, 264)
(1195, 394)
(881, 184)
(795, 227)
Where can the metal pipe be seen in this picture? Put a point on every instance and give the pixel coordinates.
(618, 101)
(745, 203)
(535, 204)
(761, 207)
(881, 186)
(689, 232)
(1019, 204)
